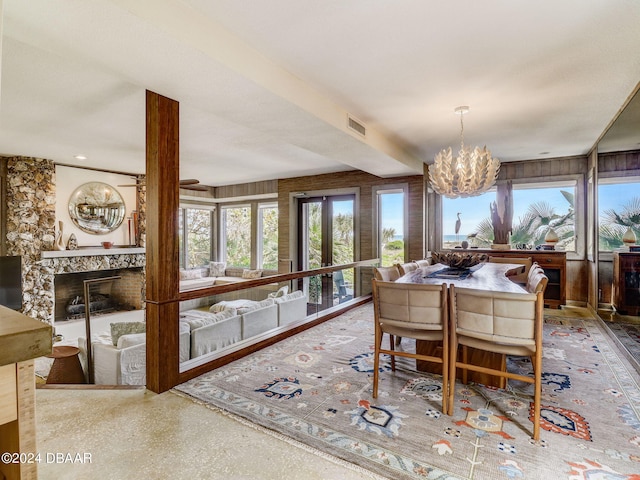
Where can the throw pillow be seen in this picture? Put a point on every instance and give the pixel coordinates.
(217, 269)
(190, 274)
(282, 291)
(125, 328)
(251, 274)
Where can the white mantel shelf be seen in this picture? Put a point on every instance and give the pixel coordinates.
(90, 252)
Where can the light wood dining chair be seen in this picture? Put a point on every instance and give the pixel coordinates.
(520, 277)
(498, 322)
(405, 268)
(387, 274)
(536, 280)
(423, 263)
(411, 310)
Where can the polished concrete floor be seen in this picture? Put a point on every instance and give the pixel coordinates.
(136, 434)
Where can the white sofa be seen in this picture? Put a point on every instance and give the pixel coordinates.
(291, 307)
(126, 362)
(229, 322)
(211, 331)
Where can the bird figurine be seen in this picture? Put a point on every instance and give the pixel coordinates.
(458, 224)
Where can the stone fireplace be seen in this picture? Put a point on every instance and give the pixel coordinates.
(30, 234)
(67, 271)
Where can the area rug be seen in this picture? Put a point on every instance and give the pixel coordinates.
(315, 388)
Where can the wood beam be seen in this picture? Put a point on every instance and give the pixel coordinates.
(162, 262)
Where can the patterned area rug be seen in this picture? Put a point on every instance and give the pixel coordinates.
(315, 388)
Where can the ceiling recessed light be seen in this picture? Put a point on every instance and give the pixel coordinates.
(80, 157)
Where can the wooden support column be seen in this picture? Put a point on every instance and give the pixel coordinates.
(162, 261)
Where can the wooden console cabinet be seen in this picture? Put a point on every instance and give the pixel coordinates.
(554, 264)
(626, 282)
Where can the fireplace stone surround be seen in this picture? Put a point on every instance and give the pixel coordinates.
(70, 268)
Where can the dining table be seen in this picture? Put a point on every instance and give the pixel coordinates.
(484, 276)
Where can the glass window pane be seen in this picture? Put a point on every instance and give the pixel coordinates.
(237, 236)
(618, 210)
(536, 210)
(198, 237)
(475, 220)
(391, 228)
(342, 232)
(269, 237)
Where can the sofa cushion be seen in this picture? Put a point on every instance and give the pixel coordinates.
(258, 305)
(125, 328)
(131, 339)
(217, 269)
(198, 318)
(190, 274)
(289, 296)
(224, 280)
(251, 274)
(240, 306)
(196, 283)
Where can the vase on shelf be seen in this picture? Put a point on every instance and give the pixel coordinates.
(72, 243)
(629, 237)
(551, 237)
(59, 242)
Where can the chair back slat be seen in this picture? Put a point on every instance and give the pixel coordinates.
(537, 280)
(387, 274)
(423, 263)
(405, 268)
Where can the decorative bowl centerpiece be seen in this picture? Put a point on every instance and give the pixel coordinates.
(459, 259)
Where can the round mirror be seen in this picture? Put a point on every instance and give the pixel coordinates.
(97, 208)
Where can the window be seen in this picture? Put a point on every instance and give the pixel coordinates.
(537, 207)
(236, 236)
(474, 217)
(618, 210)
(194, 236)
(392, 215)
(268, 236)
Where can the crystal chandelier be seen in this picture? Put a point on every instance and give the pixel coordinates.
(471, 173)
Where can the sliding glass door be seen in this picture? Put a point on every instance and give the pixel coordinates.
(326, 237)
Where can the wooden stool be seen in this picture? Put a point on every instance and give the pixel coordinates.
(66, 366)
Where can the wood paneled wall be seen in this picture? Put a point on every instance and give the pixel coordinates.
(544, 169)
(627, 162)
(365, 216)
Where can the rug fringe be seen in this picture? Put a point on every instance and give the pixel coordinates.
(280, 436)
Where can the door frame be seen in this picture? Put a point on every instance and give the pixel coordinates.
(294, 198)
(327, 232)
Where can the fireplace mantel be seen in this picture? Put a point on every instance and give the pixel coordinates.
(93, 252)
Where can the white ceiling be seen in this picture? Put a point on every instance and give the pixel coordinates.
(265, 86)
